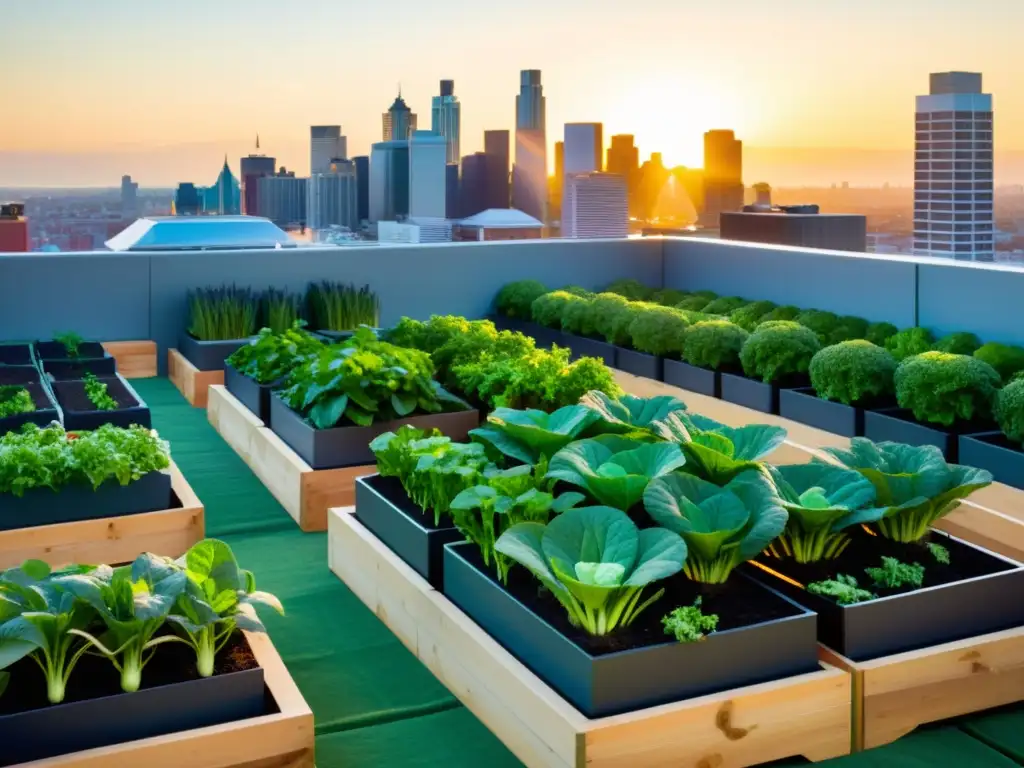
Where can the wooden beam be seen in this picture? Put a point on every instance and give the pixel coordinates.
(135, 359)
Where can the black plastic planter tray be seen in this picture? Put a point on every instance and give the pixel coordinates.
(208, 355)
(349, 446)
(638, 363)
(250, 393)
(692, 378)
(102, 722)
(628, 680)
(29, 377)
(514, 324)
(80, 413)
(92, 358)
(41, 506)
(994, 452)
(750, 393)
(918, 619)
(804, 406)
(16, 354)
(581, 346)
(898, 425)
(383, 507)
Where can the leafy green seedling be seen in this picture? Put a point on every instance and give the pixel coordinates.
(689, 624)
(843, 589)
(939, 552)
(893, 574)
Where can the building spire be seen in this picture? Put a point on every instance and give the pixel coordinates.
(257, 142)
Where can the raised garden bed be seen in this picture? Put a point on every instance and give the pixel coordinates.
(349, 445)
(305, 493)
(250, 393)
(135, 359)
(693, 378)
(28, 376)
(994, 452)
(384, 508)
(807, 714)
(541, 334)
(190, 381)
(111, 539)
(581, 346)
(898, 425)
(91, 358)
(16, 354)
(81, 413)
(754, 393)
(208, 355)
(804, 405)
(639, 363)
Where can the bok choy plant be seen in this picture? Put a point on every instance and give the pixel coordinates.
(717, 453)
(632, 415)
(596, 562)
(531, 434)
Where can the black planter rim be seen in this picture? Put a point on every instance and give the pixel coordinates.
(363, 480)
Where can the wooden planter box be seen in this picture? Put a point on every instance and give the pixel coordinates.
(805, 715)
(111, 539)
(305, 493)
(282, 739)
(895, 694)
(135, 359)
(190, 381)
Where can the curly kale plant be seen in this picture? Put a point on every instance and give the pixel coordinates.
(843, 589)
(776, 351)
(528, 435)
(516, 299)
(271, 355)
(722, 526)
(941, 388)
(549, 308)
(853, 372)
(958, 344)
(823, 502)
(15, 399)
(724, 306)
(714, 344)
(659, 331)
(596, 563)
(914, 484)
(879, 333)
(821, 322)
(630, 289)
(893, 574)
(689, 624)
(1007, 359)
(1009, 411)
(749, 316)
(909, 342)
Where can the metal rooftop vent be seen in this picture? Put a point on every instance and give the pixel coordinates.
(200, 233)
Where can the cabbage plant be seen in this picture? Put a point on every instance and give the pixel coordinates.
(914, 484)
(822, 502)
(614, 470)
(718, 453)
(722, 526)
(596, 562)
(531, 434)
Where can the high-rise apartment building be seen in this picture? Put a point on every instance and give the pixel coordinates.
(427, 175)
(473, 185)
(388, 192)
(399, 121)
(13, 228)
(451, 191)
(496, 147)
(332, 197)
(953, 170)
(445, 119)
(624, 159)
(723, 175)
(282, 198)
(362, 187)
(584, 148)
(594, 205)
(530, 174)
(252, 168)
(326, 144)
(129, 198)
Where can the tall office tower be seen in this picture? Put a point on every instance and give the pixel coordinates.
(496, 147)
(362, 187)
(530, 174)
(13, 228)
(427, 175)
(282, 198)
(445, 118)
(252, 168)
(624, 159)
(388, 190)
(187, 201)
(332, 197)
(723, 175)
(473, 186)
(594, 205)
(451, 191)
(953, 184)
(129, 198)
(584, 148)
(326, 144)
(399, 121)
(224, 196)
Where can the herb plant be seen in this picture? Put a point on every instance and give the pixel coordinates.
(549, 308)
(779, 350)
(1007, 359)
(606, 309)
(893, 574)
(785, 312)
(578, 318)
(958, 344)
(281, 309)
(97, 393)
(528, 435)
(879, 333)
(853, 372)
(515, 299)
(71, 341)
(659, 331)
(596, 563)
(273, 354)
(668, 297)
(821, 322)
(724, 306)
(941, 388)
(689, 624)
(630, 289)
(749, 316)
(342, 307)
(847, 328)
(618, 322)
(843, 589)
(1009, 411)
(15, 399)
(217, 314)
(938, 552)
(909, 342)
(714, 344)
(696, 302)
(914, 484)
(722, 526)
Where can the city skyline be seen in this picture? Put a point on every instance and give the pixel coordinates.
(791, 76)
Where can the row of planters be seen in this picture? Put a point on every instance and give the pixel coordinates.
(632, 553)
(67, 380)
(840, 374)
(223, 319)
(94, 655)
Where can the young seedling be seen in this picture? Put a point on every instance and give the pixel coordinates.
(15, 399)
(939, 552)
(689, 624)
(843, 589)
(97, 393)
(71, 342)
(893, 574)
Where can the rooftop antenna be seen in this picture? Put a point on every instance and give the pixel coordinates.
(257, 142)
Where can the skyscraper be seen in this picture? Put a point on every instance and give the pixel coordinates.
(252, 168)
(723, 175)
(953, 167)
(186, 200)
(624, 159)
(451, 191)
(445, 118)
(399, 120)
(496, 147)
(388, 190)
(584, 148)
(129, 198)
(332, 197)
(282, 198)
(473, 186)
(529, 177)
(326, 144)
(362, 187)
(427, 175)
(224, 197)
(594, 205)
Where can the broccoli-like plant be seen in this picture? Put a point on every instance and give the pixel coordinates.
(853, 372)
(659, 331)
(578, 317)
(605, 309)
(689, 624)
(958, 344)
(939, 552)
(1007, 359)
(596, 563)
(714, 344)
(821, 322)
(724, 305)
(668, 297)
(696, 302)
(785, 312)
(893, 574)
(879, 333)
(843, 589)
(848, 327)
(1009, 410)
(909, 342)
(778, 350)
(547, 309)
(747, 317)
(516, 299)
(941, 388)
(620, 320)
(630, 289)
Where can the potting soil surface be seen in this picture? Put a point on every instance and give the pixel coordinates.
(374, 703)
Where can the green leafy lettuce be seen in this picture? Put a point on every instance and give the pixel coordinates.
(271, 356)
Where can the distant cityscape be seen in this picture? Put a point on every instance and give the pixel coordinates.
(414, 186)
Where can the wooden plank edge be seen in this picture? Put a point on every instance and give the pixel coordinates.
(135, 359)
(190, 381)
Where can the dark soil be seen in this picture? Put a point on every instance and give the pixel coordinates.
(867, 551)
(957, 428)
(740, 602)
(39, 397)
(72, 397)
(54, 350)
(95, 677)
(391, 489)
